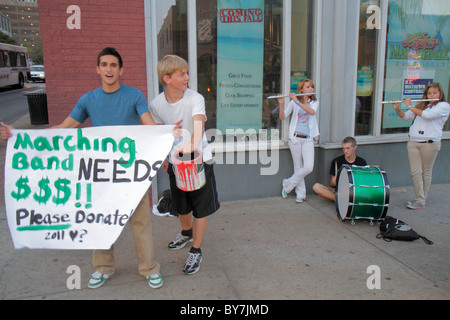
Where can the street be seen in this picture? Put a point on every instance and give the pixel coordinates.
(13, 102)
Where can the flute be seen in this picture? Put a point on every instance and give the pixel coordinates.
(422, 100)
(297, 95)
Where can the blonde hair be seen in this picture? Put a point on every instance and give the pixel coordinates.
(301, 84)
(169, 65)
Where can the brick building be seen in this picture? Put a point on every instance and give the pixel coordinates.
(72, 37)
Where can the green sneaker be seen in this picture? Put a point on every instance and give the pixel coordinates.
(155, 281)
(97, 279)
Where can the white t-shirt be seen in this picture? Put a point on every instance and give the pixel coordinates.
(185, 109)
(429, 126)
(292, 107)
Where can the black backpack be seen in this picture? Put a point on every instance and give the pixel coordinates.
(165, 203)
(395, 229)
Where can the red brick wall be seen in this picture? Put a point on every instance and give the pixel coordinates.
(70, 56)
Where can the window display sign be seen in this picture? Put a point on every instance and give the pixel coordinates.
(240, 57)
(296, 77)
(414, 88)
(365, 81)
(418, 53)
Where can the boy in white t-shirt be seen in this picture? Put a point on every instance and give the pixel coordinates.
(176, 103)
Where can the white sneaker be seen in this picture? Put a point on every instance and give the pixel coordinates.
(299, 199)
(180, 242)
(98, 279)
(155, 281)
(414, 205)
(192, 264)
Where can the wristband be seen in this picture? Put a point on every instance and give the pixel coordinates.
(409, 107)
(298, 102)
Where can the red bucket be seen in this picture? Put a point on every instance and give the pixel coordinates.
(189, 171)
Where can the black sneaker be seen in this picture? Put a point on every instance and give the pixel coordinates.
(180, 242)
(192, 264)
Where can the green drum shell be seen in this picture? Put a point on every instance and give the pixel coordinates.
(368, 193)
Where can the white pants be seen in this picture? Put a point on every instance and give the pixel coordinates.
(302, 151)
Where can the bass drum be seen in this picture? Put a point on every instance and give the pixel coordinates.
(362, 193)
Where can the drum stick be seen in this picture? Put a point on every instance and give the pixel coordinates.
(297, 95)
(398, 191)
(422, 100)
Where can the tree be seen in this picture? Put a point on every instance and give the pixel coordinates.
(35, 53)
(4, 38)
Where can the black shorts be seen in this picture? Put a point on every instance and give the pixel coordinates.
(202, 202)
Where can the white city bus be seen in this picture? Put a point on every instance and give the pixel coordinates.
(14, 67)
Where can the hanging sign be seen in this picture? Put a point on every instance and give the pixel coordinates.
(240, 57)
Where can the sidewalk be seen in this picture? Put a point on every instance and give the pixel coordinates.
(266, 249)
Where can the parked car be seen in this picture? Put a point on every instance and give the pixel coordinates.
(37, 73)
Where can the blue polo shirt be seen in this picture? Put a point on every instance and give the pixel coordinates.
(120, 108)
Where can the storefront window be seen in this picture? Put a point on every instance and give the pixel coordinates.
(272, 63)
(172, 29)
(207, 57)
(301, 54)
(367, 57)
(418, 53)
(239, 56)
(301, 40)
(239, 61)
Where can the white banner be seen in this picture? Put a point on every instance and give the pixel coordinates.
(77, 188)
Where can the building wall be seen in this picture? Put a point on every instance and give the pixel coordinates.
(244, 181)
(71, 54)
(24, 19)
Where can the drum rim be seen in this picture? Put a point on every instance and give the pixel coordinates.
(351, 192)
(387, 194)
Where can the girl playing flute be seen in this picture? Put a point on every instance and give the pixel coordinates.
(303, 129)
(425, 135)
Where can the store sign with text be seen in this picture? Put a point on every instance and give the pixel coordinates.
(241, 15)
